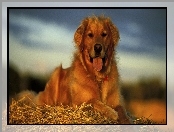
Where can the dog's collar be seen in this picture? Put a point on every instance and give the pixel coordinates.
(106, 78)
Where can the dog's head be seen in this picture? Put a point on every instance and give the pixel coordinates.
(96, 39)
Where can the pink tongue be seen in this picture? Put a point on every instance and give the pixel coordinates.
(97, 63)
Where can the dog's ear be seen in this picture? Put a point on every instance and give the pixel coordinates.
(114, 32)
(78, 36)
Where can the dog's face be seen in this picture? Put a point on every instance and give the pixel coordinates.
(96, 38)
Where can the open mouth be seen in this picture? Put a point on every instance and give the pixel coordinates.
(97, 62)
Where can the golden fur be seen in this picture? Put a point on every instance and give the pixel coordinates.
(93, 75)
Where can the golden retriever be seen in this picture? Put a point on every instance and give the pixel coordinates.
(93, 76)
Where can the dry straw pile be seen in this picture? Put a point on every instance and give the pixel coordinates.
(20, 113)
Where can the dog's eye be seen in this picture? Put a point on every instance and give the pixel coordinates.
(90, 35)
(104, 34)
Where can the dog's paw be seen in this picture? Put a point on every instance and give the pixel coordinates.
(112, 114)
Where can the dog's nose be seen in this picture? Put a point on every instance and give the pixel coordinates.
(97, 48)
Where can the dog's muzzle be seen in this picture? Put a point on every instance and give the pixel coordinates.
(97, 49)
(98, 57)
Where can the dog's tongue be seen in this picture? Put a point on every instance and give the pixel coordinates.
(97, 64)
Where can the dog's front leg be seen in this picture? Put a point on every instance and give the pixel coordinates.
(123, 118)
(104, 109)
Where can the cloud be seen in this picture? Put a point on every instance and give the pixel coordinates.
(38, 47)
(134, 28)
(36, 61)
(130, 41)
(133, 66)
(38, 34)
(142, 45)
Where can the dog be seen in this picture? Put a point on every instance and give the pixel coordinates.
(93, 76)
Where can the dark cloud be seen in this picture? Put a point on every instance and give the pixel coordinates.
(150, 24)
(147, 17)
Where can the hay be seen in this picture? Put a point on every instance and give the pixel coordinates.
(20, 113)
(144, 120)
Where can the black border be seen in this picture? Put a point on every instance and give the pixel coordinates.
(8, 8)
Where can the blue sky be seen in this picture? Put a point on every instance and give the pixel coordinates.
(41, 39)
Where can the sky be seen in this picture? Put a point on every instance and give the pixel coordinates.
(42, 39)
